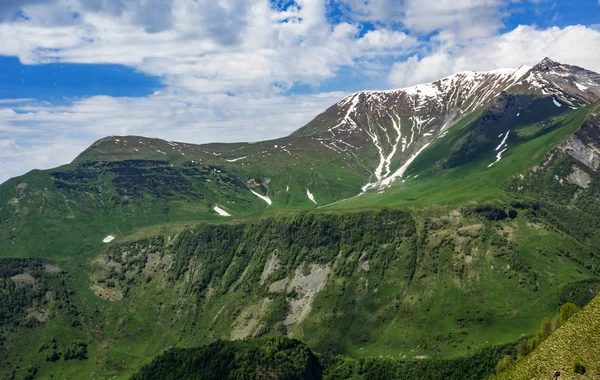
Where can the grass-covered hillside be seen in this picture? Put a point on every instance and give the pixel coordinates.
(123, 183)
(573, 350)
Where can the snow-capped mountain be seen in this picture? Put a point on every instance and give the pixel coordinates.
(394, 126)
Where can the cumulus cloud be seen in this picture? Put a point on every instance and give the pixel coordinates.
(576, 45)
(9, 7)
(235, 45)
(465, 18)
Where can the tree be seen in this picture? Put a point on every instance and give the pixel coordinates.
(505, 363)
(567, 311)
(579, 368)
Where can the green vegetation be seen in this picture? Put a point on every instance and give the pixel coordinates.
(31, 290)
(267, 358)
(572, 350)
(579, 368)
(283, 358)
(548, 326)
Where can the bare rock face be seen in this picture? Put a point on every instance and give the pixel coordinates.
(580, 178)
(584, 146)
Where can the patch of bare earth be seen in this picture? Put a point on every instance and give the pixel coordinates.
(248, 323)
(110, 294)
(471, 228)
(23, 279)
(109, 264)
(51, 268)
(40, 315)
(270, 266)
(151, 261)
(307, 287)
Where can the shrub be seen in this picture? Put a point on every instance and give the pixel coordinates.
(578, 367)
(505, 363)
(76, 350)
(52, 356)
(567, 311)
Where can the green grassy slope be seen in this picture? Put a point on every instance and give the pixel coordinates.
(429, 182)
(121, 184)
(575, 341)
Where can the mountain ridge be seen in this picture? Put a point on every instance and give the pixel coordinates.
(391, 119)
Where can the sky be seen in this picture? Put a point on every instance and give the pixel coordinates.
(199, 71)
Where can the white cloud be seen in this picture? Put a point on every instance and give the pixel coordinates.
(413, 70)
(465, 18)
(235, 45)
(577, 45)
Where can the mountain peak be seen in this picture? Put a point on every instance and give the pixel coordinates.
(547, 64)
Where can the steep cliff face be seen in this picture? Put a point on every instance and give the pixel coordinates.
(584, 146)
(568, 181)
(356, 283)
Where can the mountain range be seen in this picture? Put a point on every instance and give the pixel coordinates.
(429, 224)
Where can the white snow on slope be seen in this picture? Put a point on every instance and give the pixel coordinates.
(263, 197)
(580, 86)
(354, 98)
(400, 172)
(397, 128)
(108, 239)
(220, 211)
(235, 159)
(502, 145)
(311, 196)
(555, 102)
(386, 182)
(498, 156)
(503, 141)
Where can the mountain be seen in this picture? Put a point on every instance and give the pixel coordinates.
(392, 226)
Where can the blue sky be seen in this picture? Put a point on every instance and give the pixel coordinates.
(73, 71)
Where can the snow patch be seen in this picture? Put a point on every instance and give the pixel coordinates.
(498, 157)
(503, 141)
(263, 197)
(108, 239)
(580, 86)
(220, 211)
(556, 103)
(400, 172)
(311, 196)
(386, 182)
(235, 159)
